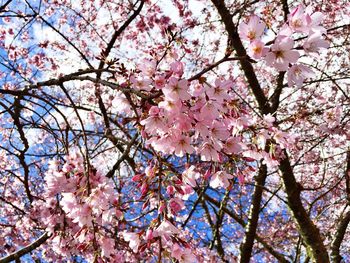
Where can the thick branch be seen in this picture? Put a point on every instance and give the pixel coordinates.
(309, 232)
(241, 52)
(2, 8)
(275, 97)
(338, 238)
(250, 230)
(285, 9)
(18, 254)
(344, 222)
(280, 257)
(347, 176)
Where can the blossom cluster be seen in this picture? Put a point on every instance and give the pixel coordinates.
(168, 206)
(282, 54)
(79, 210)
(206, 120)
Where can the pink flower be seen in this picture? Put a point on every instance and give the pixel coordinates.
(159, 81)
(316, 19)
(141, 83)
(241, 178)
(188, 256)
(163, 144)
(261, 138)
(161, 207)
(154, 111)
(314, 43)
(148, 67)
(253, 30)
(196, 89)
(282, 138)
(332, 117)
(210, 110)
(82, 215)
(154, 124)
(144, 188)
(182, 146)
(298, 73)
(150, 171)
(121, 104)
(219, 131)
(177, 68)
(176, 252)
(170, 189)
(149, 234)
(68, 202)
(166, 229)
(172, 108)
(281, 54)
(201, 128)
(133, 239)
(137, 177)
(189, 176)
(269, 161)
(220, 179)
(183, 122)
(55, 182)
(257, 49)
(176, 89)
(285, 30)
(219, 91)
(176, 205)
(299, 21)
(241, 123)
(187, 191)
(269, 119)
(101, 197)
(108, 216)
(107, 246)
(233, 145)
(183, 255)
(209, 151)
(251, 154)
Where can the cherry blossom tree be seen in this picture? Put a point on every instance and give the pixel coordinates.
(174, 131)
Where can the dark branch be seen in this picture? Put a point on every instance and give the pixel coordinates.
(241, 52)
(18, 254)
(309, 232)
(344, 222)
(250, 231)
(280, 257)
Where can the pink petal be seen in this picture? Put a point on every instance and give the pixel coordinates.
(292, 55)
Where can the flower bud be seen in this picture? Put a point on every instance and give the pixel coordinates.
(170, 190)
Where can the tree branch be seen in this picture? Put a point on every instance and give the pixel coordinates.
(309, 232)
(280, 257)
(338, 238)
(254, 211)
(241, 52)
(344, 222)
(23, 251)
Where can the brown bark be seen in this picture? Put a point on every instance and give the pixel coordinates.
(309, 232)
(23, 251)
(254, 211)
